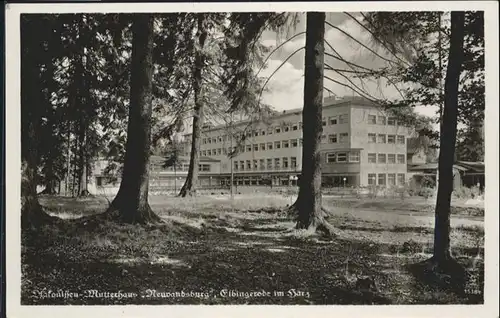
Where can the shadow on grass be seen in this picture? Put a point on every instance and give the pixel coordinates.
(240, 254)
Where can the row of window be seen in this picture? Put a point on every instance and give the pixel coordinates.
(381, 120)
(389, 139)
(334, 120)
(266, 164)
(336, 138)
(185, 167)
(254, 133)
(386, 158)
(390, 179)
(342, 157)
(292, 143)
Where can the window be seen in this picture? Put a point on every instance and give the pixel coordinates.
(269, 146)
(262, 164)
(391, 179)
(343, 119)
(277, 144)
(401, 139)
(300, 142)
(255, 164)
(269, 163)
(391, 158)
(204, 141)
(354, 156)
(204, 167)
(286, 144)
(249, 148)
(295, 127)
(278, 130)
(224, 151)
(391, 121)
(372, 138)
(391, 139)
(249, 165)
(381, 179)
(256, 147)
(236, 165)
(372, 179)
(381, 139)
(372, 119)
(323, 138)
(332, 138)
(323, 122)
(332, 120)
(219, 139)
(401, 179)
(401, 158)
(270, 130)
(331, 157)
(300, 125)
(242, 165)
(219, 151)
(204, 153)
(209, 140)
(341, 157)
(263, 132)
(381, 120)
(381, 158)
(293, 162)
(294, 143)
(285, 162)
(287, 128)
(343, 137)
(372, 158)
(262, 146)
(209, 152)
(277, 163)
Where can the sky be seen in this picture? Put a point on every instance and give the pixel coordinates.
(285, 88)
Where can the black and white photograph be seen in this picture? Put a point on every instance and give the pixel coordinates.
(253, 157)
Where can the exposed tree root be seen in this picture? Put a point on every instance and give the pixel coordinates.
(33, 216)
(187, 191)
(124, 214)
(318, 224)
(444, 272)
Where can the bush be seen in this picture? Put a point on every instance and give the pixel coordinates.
(411, 247)
(428, 182)
(426, 192)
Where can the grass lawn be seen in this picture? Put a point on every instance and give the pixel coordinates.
(212, 251)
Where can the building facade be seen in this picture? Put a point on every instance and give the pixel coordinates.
(360, 146)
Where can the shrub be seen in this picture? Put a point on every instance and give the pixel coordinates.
(426, 192)
(428, 182)
(411, 247)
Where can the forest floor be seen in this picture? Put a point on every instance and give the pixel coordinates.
(212, 251)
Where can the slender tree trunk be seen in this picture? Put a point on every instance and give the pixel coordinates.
(68, 162)
(82, 186)
(308, 203)
(189, 187)
(448, 139)
(131, 202)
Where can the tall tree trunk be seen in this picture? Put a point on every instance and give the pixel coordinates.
(131, 202)
(82, 178)
(308, 204)
(448, 139)
(189, 187)
(32, 213)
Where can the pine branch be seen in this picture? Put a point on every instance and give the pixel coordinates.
(371, 98)
(377, 39)
(357, 41)
(275, 49)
